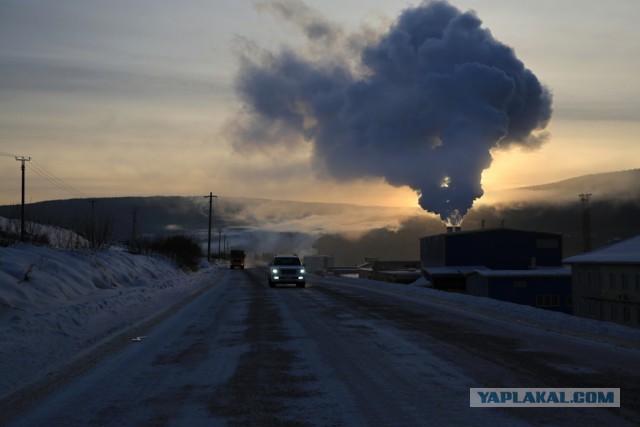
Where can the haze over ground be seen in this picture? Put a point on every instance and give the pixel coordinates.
(350, 232)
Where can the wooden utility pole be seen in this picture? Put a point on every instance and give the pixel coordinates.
(22, 229)
(210, 196)
(134, 228)
(586, 221)
(93, 231)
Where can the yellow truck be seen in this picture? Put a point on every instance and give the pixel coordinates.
(236, 258)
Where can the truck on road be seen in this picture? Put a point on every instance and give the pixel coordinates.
(236, 258)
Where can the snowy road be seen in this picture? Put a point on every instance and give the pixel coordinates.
(334, 354)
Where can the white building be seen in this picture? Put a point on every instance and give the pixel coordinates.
(319, 264)
(606, 283)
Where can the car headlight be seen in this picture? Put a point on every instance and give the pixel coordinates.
(302, 271)
(274, 271)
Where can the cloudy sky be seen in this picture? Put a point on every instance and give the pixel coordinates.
(142, 97)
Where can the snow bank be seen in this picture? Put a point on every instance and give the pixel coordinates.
(33, 277)
(56, 237)
(596, 330)
(56, 305)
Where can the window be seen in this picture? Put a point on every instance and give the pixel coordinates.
(624, 284)
(626, 314)
(569, 300)
(588, 279)
(547, 300)
(637, 281)
(613, 311)
(601, 279)
(520, 284)
(612, 280)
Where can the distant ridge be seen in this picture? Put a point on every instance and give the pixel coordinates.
(619, 185)
(618, 179)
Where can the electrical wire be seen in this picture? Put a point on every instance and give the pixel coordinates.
(47, 175)
(54, 180)
(2, 153)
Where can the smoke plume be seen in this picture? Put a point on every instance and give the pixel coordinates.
(420, 105)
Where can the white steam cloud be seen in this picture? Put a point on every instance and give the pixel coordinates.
(421, 105)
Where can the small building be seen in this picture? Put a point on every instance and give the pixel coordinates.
(606, 283)
(319, 265)
(390, 271)
(548, 288)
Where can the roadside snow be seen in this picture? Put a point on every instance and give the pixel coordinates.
(57, 305)
(600, 331)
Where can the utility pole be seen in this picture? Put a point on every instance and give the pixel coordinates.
(219, 237)
(22, 231)
(224, 245)
(586, 221)
(134, 227)
(210, 196)
(93, 233)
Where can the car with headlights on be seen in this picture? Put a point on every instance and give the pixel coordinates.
(286, 269)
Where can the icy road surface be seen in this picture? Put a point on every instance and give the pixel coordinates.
(333, 354)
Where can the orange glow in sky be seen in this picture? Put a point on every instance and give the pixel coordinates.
(115, 105)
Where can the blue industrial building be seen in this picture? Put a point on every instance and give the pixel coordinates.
(523, 267)
(496, 248)
(548, 288)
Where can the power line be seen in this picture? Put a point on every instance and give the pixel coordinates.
(54, 180)
(47, 175)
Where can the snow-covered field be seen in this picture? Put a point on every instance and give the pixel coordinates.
(57, 305)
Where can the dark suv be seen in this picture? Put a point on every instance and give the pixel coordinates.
(286, 269)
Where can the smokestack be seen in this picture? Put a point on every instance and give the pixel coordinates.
(454, 229)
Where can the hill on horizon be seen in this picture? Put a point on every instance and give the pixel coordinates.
(353, 232)
(618, 185)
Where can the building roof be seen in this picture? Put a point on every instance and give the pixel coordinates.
(625, 252)
(492, 230)
(454, 270)
(482, 271)
(540, 272)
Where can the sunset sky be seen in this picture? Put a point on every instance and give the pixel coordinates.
(136, 97)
